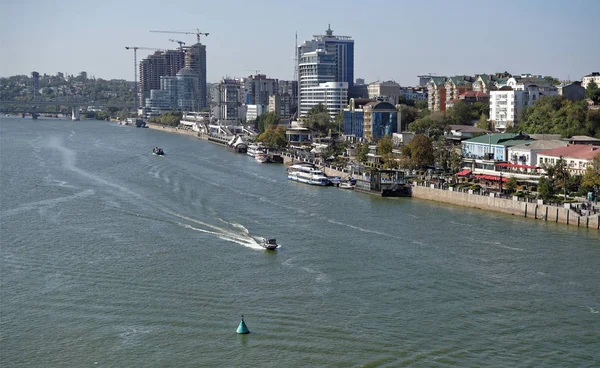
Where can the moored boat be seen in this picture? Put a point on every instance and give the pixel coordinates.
(307, 174)
(345, 185)
(261, 158)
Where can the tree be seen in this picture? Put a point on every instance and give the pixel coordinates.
(432, 125)
(561, 172)
(273, 137)
(483, 123)
(421, 105)
(318, 119)
(360, 153)
(551, 80)
(419, 151)
(266, 120)
(461, 113)
(591, 178)
(339, 122)
(455, 160)
(406, 115)
(511, 184)
(402, 100)
(385, 145)
(593, 92)
(545, 188)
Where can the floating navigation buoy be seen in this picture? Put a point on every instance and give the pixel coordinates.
(242, 328)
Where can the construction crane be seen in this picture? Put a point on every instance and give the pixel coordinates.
(135, 69)
(197, 33)
(181, 43)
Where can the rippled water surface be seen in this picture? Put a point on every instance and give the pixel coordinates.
(111, 256)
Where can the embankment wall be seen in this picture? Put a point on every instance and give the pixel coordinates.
(513, 206)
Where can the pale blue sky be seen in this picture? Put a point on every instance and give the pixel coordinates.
(394, 39)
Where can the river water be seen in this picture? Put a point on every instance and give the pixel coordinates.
(113, 257)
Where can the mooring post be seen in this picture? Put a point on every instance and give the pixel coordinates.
(546, 216)
(525, 210)
(556, 220)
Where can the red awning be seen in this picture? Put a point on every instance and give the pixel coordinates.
(491, 177)
(517, 166)
(463, 172)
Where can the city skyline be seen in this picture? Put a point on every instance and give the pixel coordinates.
(393, 41)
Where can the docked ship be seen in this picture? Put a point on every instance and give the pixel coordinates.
(262, 157)
(255, 148)
(237, 144)
(307, 174)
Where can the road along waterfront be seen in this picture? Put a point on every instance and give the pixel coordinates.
(111, 256)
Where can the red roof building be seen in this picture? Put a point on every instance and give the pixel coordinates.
(577, 156)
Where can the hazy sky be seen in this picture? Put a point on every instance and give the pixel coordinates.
(394, 39)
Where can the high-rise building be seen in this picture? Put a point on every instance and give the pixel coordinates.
(168, 64)
(325, 65)
(35, 76)
(258, 88)
(229, 101)
(196, 59)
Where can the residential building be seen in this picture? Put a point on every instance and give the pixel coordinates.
(258, 88)
(385, 91)
(254, 111)
(380, 119)
(577, 157)
(413, 93)
(489, 82)
(469, 98)
(436, 94)
(492, 146)
(275, 104)
(457, 85)
(288, 90)
(526, 153)
(424, 80)
(572, 91)
(508, 100)
(229, 102)
(595, 76)
(325, 62)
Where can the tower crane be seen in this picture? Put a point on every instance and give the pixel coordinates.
(197, 33)
(181, 43)
(135, 69)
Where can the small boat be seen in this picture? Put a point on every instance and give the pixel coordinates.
(345, 185)
(269, 243)
(335, 180)
(158, 151)
(261, 157)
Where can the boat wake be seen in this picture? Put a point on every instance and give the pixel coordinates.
(363, 230)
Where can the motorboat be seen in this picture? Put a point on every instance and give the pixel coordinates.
(261, 157)
(307, 174)
(345, 185)
(335, 180)
(158, 151)
(269, 243)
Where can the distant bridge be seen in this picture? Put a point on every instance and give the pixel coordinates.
(37, 107)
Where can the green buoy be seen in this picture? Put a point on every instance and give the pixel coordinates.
(242, 328)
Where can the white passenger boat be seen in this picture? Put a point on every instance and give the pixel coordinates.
(307, 174)
(254, 148)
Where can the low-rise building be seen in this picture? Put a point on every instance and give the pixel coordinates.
(584, 139)
(595, 76)
(386, 91)
(572, 91)
(526, 153)
(492, 146)
(576, 156)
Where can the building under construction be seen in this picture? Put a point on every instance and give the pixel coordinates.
(169, 63)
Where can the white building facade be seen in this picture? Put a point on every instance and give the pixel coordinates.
(595, 76)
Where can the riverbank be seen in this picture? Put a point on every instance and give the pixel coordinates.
(171, 129)
(536, 210)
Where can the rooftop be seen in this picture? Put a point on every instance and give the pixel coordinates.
(541, 145)
(467, 129)
(586, 152)
(506, 139)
